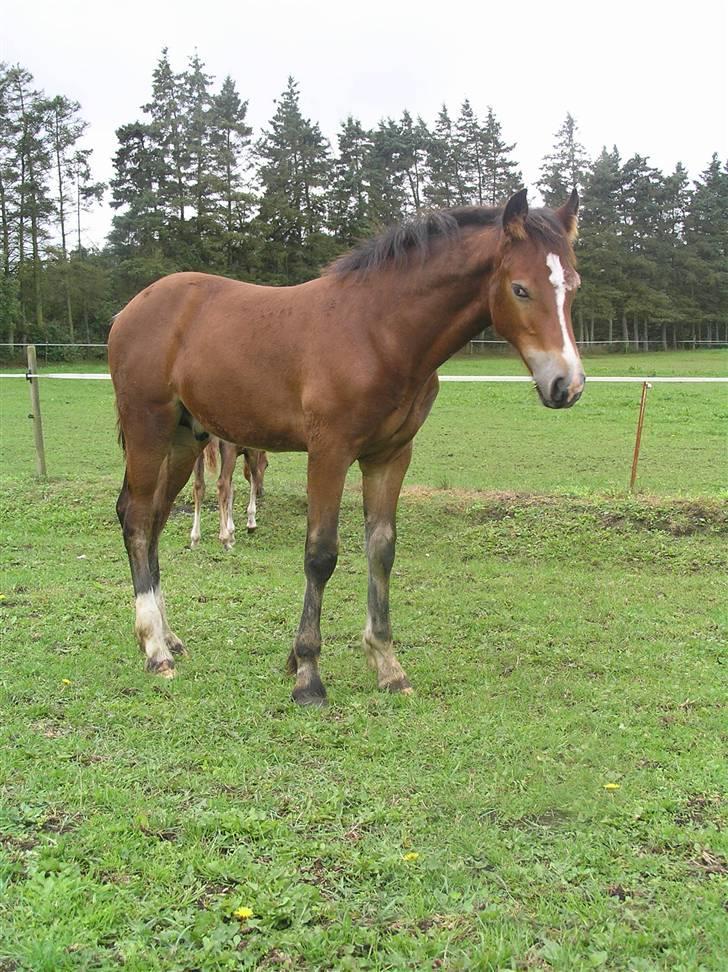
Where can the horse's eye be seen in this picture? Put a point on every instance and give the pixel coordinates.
(520, 291)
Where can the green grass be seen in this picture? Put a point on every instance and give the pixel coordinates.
(561, 637)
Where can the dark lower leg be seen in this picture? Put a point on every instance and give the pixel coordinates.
(381, 487)
(325, 484)
(320, 562)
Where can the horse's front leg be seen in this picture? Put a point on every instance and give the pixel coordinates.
(381, 485)
(326, 475)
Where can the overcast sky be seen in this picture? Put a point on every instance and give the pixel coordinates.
(650, 77)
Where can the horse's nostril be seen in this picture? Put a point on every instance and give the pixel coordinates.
(559, 391)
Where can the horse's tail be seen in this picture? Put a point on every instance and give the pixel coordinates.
(211, 453)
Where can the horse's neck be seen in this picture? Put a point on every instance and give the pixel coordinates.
(443, 303)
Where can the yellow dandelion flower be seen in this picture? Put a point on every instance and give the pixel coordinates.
(242, 914)
(412, 856)
(66, 681)
(612, 786)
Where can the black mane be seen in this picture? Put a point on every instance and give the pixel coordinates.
(395, 246)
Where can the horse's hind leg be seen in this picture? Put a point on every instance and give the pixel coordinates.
(150, 444)
(182, 456)
(225, 493)
(381, 484)
(148, 438)
(198, 493)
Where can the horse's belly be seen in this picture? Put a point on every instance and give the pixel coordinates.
(254, 416)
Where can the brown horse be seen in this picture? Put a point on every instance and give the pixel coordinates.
(343, 368)
(255, 465)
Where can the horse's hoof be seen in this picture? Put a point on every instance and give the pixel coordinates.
(177, 647)
(401, 686)
(252, 529)
(165, 668)
(194, 543)
(312, 693)
(308, 700)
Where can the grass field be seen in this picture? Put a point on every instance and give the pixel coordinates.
(553, 796)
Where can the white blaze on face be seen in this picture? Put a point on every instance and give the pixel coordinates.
(558, 281)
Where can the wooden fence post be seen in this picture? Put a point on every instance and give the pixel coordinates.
(40, 461)
(638, 440)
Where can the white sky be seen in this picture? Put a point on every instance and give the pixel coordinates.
(648, 76)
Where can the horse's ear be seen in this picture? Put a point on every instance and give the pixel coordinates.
(514, 215)
(568, 215)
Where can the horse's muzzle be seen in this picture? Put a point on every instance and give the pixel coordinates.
(562, 393)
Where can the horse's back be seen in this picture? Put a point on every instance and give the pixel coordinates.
(229, 351)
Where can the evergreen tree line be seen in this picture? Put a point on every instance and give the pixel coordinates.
(194, 190)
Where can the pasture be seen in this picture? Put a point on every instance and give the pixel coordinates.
(553, 796)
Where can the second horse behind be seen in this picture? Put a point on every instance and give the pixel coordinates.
(256, 462)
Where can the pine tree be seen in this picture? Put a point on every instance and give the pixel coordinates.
(502, 176)
(167, 134)
(469, 147)
(350, 210)
(30, 111)
(195, 124)
(444, 180)
(387, 174)
(294, 173)
(601, 257)
(673, 258)
(230, 139)
(707, 235)
(66, 128)
(565, 168)
(414, 139)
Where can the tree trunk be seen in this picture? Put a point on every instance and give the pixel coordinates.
(664, 337)
(36, 269)
(5, 229)
(647, 336)
(625, 331)
(636, 332)
(611, 330)
(62, 218)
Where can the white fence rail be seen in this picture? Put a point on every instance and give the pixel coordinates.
(614, 379)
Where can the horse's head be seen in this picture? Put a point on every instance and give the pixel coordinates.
(531, 293)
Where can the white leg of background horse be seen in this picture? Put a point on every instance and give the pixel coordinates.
(198, 492)
(226, 493)
(251, 506)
